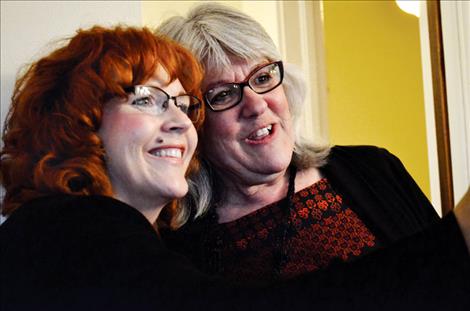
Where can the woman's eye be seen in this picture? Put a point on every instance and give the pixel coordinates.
(221, 96)
(142, 101)
(263, 78)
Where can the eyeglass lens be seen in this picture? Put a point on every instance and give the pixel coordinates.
(155, 101)
(261, 81)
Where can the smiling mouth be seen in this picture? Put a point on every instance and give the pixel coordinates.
(261, 133)
(167, 153)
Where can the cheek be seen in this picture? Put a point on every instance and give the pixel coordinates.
(220, 126)
(277, 101)
(134, 126)
(121, 130)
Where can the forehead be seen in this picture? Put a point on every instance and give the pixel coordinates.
(161, 78)
(238, 70)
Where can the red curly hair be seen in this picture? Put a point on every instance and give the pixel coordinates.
(50, 136)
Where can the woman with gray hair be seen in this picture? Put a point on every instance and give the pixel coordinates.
(271, 205)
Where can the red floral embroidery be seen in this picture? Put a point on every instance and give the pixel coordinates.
(320, 229)
(316, 214)
(339, 199)
(323, 205)
(303, 213)
(336, 207)
(263, 233)
(242, 244)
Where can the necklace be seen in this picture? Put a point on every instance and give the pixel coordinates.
(286, 208)
(212, 252)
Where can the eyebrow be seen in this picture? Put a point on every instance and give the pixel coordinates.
(225, 81)
(182, 92)
(217, 83)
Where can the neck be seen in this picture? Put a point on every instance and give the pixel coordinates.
(242, 199)
(152, 214)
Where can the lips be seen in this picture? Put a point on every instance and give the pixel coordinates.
(261, 133)
(167, 152)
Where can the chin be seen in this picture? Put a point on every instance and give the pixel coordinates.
(280, 163)
(179, 190)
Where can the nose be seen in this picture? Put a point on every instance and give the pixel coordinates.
(175, 120)
(253, 104)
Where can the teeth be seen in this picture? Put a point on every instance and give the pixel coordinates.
(262, 132)
(171, 152)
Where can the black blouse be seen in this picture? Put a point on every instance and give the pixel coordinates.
(368, 191)
(96, 253)
(318, 230)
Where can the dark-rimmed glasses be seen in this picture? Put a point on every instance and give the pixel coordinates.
(155, 101)
(263, 79)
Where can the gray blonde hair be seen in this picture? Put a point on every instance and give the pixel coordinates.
(214, 33)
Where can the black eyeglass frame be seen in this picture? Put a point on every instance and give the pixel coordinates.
(244, 83)
(195, 106)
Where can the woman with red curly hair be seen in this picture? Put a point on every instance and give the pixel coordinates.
(98, 144)
(105, 123)
(52, 142)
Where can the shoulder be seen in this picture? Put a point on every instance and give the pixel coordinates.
(363, 156)
(370, 163)
(60, 203)
(71, 215)
(54, 203)
(62, 248)
(362, 151)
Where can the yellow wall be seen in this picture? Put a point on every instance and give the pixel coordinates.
(375, 91)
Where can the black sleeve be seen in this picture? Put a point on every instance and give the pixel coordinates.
(408, 187)
(377, 187)
(95, 253)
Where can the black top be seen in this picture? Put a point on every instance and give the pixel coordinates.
(272, 243)
(96, 253)
(372, 183)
